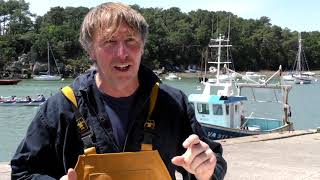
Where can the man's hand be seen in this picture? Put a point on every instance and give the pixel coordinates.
(71, 175)
(199, 159)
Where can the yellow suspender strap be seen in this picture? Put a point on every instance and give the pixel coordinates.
(68, 92)
(150, 124)
(153, 98)
(83, 128)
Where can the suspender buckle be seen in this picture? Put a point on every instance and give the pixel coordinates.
(87, 140)
(150, 124)
(82, 125)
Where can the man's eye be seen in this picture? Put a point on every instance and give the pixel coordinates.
(110, 41)
(131, 41)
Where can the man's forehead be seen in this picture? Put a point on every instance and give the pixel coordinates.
(122, 30)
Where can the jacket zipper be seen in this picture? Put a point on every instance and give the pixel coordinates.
(131, 125)
(100, 118)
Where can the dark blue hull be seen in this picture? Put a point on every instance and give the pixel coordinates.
(218, 132)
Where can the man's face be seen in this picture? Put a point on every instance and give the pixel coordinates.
(118, 58)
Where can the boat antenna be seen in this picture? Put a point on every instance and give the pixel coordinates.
(212, 26)
(229, 29)
(217, 26)
(228, 38)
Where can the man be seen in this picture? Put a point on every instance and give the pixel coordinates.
(114, 101)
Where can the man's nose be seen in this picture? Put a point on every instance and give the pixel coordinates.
(122, 51)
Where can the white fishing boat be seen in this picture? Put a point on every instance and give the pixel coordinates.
(221, 113)
(49, 76)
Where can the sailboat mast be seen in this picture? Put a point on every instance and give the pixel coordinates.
(48, 56)
(299, 55)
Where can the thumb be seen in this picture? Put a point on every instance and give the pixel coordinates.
(178, 161)
(72, 175)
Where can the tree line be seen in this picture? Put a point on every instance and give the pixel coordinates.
(176, 39)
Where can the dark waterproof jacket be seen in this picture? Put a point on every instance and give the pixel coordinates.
(52, 143)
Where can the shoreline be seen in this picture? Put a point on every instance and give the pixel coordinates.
(198, 73)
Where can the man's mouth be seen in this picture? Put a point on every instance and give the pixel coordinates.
(122, 68)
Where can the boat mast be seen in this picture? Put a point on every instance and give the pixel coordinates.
(205, 64)
(48, 54)
(299, 55)
(219, 45)
(55, 62)
(228, 41)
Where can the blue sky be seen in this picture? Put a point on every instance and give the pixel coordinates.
(297, 15)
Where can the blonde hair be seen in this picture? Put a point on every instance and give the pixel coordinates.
(110, 16)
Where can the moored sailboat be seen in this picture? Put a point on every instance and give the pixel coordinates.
(301, 73)
(49, 76)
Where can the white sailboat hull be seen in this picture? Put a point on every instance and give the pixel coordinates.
(47, 78)
(302, 80)
(288, 78)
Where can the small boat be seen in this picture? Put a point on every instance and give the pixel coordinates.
(14, 101)
(21, 103)
(172, 76)
(254, 76)
(9, 81)
(46, 77)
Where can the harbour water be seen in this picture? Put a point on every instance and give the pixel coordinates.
(14, 121)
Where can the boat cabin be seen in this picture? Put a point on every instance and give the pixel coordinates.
(225, 111)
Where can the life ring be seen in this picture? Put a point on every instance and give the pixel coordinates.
(212, 69)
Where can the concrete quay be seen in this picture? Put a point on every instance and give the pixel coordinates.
(278, 156)
(5, 170)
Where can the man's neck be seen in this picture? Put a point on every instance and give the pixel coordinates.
(118, 89)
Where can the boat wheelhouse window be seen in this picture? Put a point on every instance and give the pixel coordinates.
(217, 109)
(203, 108)
(227, 109)
(235, 108)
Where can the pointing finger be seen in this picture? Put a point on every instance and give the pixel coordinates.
(191, 140)
(178, 161)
